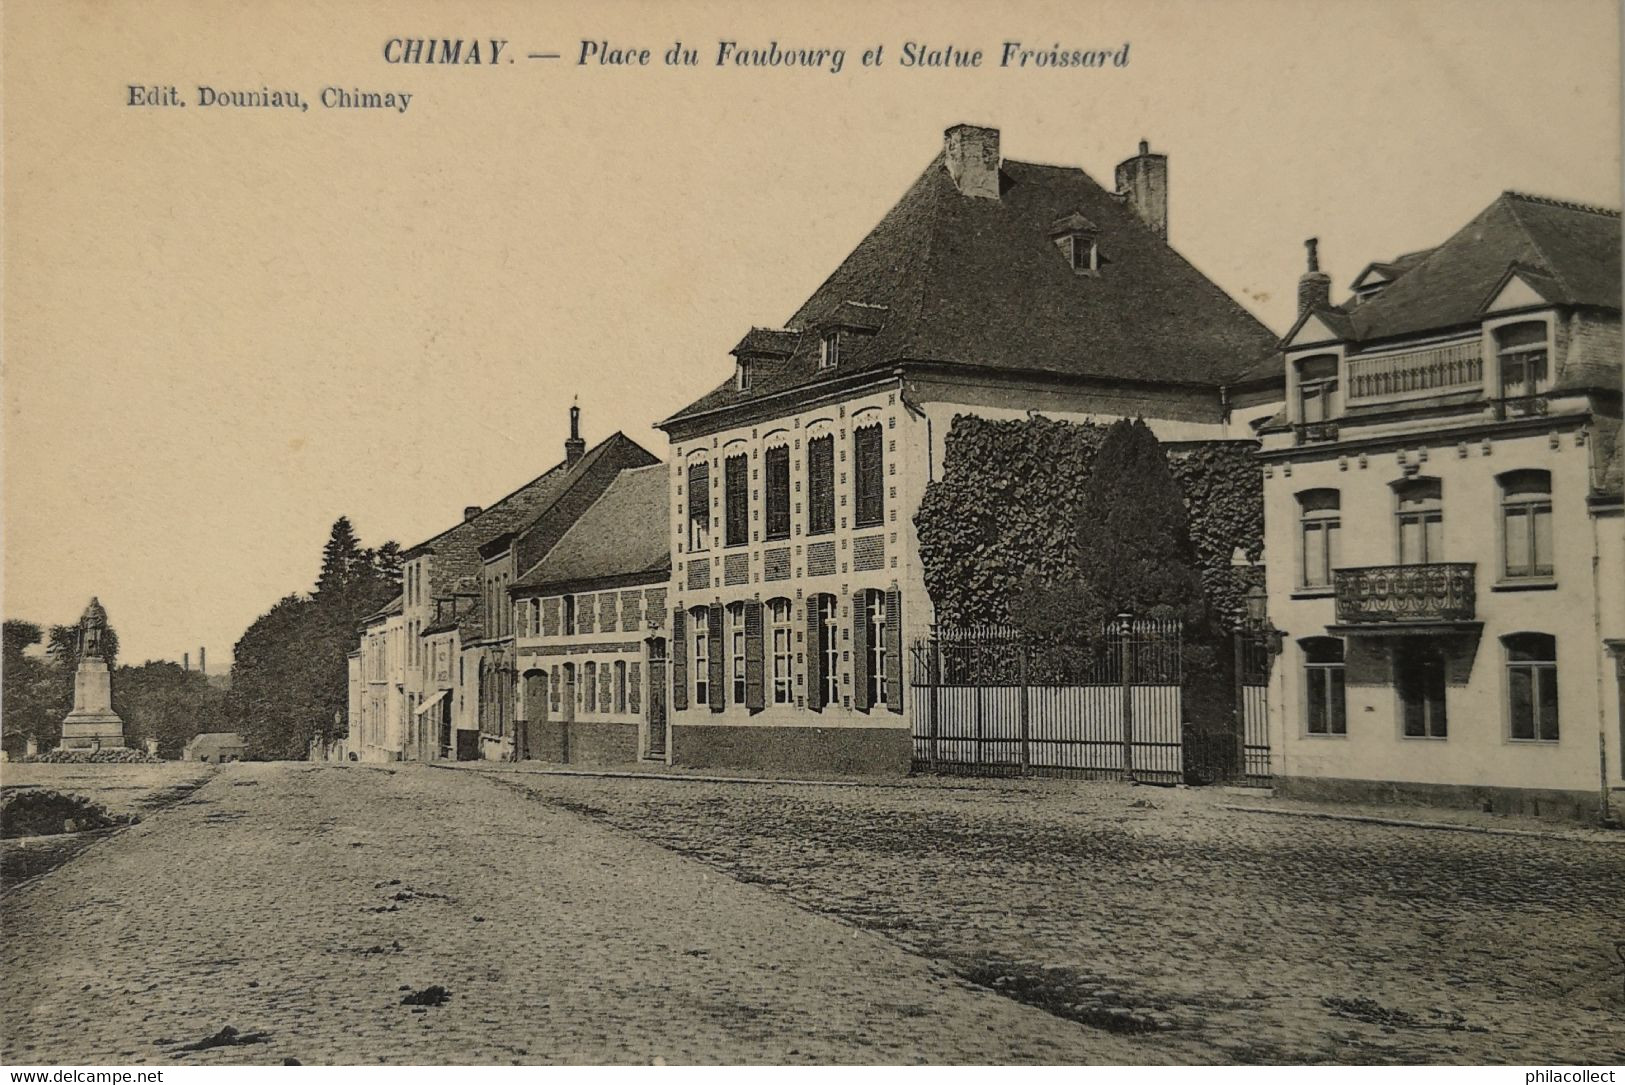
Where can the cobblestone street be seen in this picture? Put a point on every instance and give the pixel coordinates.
(577, 919)
(1235, 936)
(299, 904)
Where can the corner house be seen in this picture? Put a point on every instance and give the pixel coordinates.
(1446, 483)
(993, 287)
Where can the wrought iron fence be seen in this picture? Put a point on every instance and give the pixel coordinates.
(988, 700)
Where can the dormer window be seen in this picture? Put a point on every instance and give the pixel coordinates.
(1075, 236)
(1521, 351)
(829, 350)
(1081, 248)
(742, 376)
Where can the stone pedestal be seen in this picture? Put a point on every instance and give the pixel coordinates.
(92, 723)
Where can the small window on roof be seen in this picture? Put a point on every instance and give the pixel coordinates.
(1081, 251)
(742, 376)
(829, 350)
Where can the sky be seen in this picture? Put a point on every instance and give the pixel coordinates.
(224, 328)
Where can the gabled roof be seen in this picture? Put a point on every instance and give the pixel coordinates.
(1573, 247)
(980, 282)
(624, 535)
(457, 549)
(395, 606)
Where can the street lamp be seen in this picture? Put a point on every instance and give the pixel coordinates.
(1258, 605)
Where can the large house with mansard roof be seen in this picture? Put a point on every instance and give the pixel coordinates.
(993, 287)
(1444, 521)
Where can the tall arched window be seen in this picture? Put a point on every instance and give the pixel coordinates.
(1526, 524)
(828, 647)
(782, 638)
(1531, 661)
(1325, 706)
(874, 617)
(736, 651)
(589, 686)
(1321, 517)
(1420, 512)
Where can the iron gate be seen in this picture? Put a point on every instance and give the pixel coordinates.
(988, 701)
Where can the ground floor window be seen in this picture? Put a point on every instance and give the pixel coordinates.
(1325, 709)
(736, 650)
(1419, 676)
(699, 619)
(589, 682)
(874, 612)
(1531, 662)
(778, 618)
(829, 648)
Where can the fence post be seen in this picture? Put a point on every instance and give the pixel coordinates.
(1026, 757)
(1241, 703)
(933, 675)
(1125, 663)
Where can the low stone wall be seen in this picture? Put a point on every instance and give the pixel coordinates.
(599, 742)
(811, 751)
(1577, 806)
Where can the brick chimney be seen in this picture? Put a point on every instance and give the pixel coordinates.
(469, 512)
(186, 661)
(1314, 285)
(1142, 181)
(972, 157)
(202, 660)
(575, 447)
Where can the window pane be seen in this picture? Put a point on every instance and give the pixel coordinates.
(1433, 540)
(1517, 542)
(1334, 547)
(1520, 703)
(1314, 404)
(1315, 678)
(1314, 555)
(1542, 532)
(1548, 703)
(1337, 712)
(1410, 541)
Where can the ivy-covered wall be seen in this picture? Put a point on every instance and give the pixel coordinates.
(1007, 505)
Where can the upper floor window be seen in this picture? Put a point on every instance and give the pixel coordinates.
(736, 500)
(1531, 660)
(868, 475)
(1521, 352)
(829, 350)
(569, 615)
(821, 485)
(1420, 513)
(699, 506)
(742, 376)
(783, 644)
(1326, 711)
(1317, 389)
(776, 462)
(1321, 519)
(1526, 524)
(1081, 252)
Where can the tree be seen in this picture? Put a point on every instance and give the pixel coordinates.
(31, 697)
(289, 676)
(164, 701)
(1134, 553)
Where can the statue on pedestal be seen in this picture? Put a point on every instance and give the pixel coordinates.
(92, 725)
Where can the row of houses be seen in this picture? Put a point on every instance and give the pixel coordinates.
(748, 600)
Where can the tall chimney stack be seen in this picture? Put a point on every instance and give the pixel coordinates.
(186, 661)
(1142, 181)
(202, 660)
(972, 157)
(575, 447)
(1314, 285)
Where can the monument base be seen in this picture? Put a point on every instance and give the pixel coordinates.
(92, 723)
(89, 730)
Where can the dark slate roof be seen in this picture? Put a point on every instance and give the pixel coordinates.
(774, 342)
(457, 549)
(1576, 248)
(623, 534)
(395, 606)
(974, 281)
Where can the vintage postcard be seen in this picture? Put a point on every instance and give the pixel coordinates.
(826, 534)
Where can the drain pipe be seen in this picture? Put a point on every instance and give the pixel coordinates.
(1603, 816)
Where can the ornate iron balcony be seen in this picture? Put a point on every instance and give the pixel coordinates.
(1315, 432)
(1405, 593)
